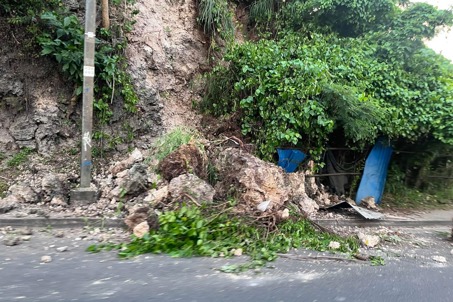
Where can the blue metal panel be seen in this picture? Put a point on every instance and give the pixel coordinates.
(375, 172)
(289, 159)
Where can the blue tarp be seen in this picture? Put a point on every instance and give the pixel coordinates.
(289, 159)
(375, 172)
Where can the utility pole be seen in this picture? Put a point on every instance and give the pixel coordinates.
(85, 194)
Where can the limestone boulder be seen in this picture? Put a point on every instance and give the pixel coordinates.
(190, 188)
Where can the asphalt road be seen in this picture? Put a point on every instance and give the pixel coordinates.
(75, 275)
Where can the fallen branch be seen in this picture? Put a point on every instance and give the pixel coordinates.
(330, 258)
(191, 199)
(322, 228)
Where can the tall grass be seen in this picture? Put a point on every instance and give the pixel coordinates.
(216, 18)
(171, 141)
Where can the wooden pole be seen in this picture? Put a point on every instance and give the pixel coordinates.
(105, 14)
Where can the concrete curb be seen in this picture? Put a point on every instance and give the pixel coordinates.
(385, 223)
(118, 223)
(62, 222)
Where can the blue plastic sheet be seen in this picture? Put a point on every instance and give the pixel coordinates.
(375, 172)
(289, 159)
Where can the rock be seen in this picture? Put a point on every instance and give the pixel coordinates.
(369, 202)
(6, 140)
(26, 231)
(11, 241)
(23, 129)
(58, 201)
(440, 259)
(72, 5)
(283, 214)
(136, 181)
(157, 196)
(24, 193)
(138, 216)
(59, 234)
(368, 240)
(52, 186)
(61, 249)
(135, 157)
(25, 238)
(190, 188)
(253, 181)
(8, 203)
(250, 179)
(237, 252)
(186, 159)
(141, 229)
(307, 205)
(46, 259)
(334, 245)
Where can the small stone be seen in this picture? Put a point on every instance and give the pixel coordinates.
(11, 241)
(285, 214)
(33, 211)
(451, 252)
(58, 201)
(59, 234)
(26, 238)
(368, 240)
(26, 231)
(62, 249)
(46, 259)
(141, 229)
(334, 245)
(440, 259)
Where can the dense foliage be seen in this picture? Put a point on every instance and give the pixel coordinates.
(191, 231)
(359, 68)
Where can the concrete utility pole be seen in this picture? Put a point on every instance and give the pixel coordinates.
(88, 87)
(85, 194)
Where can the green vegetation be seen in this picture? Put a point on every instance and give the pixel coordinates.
(377, 261)
(434, 192)
(170, 141)
(191, 231)
(19, 158)
(349, 70)
(216, 18)
(3, 189)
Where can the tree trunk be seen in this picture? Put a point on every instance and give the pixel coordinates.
(105, 14)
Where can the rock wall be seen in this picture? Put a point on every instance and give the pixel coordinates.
(166, 52)
(32, 97)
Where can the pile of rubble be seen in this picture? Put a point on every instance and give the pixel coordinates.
(188, 174)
